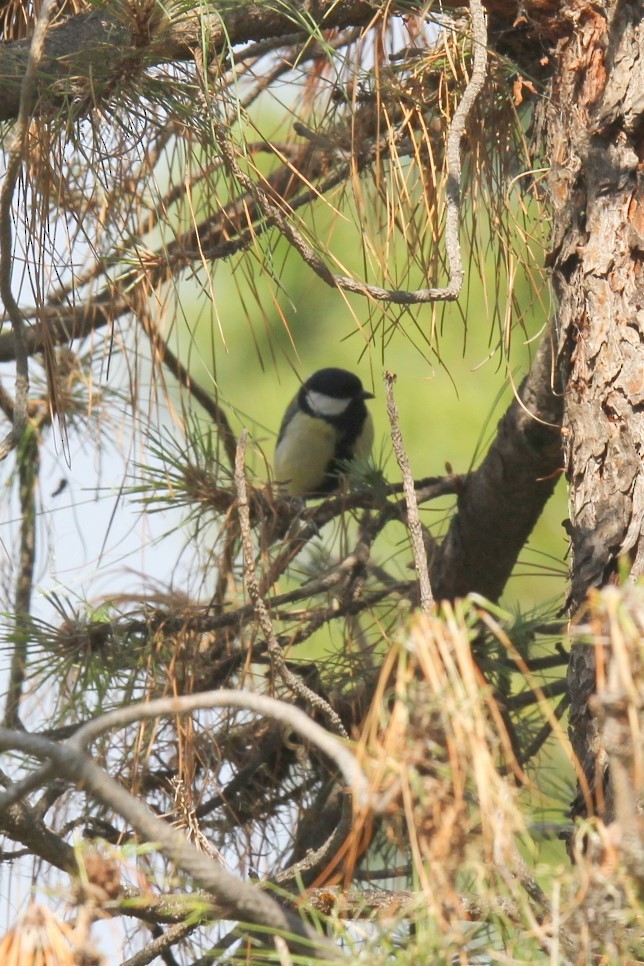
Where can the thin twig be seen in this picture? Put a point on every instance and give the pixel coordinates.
(15, 154)
(315, 860)
(261, 610)
(28, 468)
(314, 518)
(413, 518)
(182, 375)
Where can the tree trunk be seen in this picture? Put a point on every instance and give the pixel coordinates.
(594, 131)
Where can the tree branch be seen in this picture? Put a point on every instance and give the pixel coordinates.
(279, 710)
(241, 900)
(162, 943)
(261, 610)
(28, 470)
(413, 518)
(502, 500)
(19, 822)
(87, 55)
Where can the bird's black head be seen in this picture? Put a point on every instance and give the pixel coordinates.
(332, 384)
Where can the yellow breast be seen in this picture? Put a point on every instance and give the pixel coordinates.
(303, 454)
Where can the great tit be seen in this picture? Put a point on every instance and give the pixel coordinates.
(326, 426)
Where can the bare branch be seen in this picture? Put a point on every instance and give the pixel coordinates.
(20, 823)
(28, 469)
(243, 901)
(453, 152)
(261, 704)
(502, 500)
(164, 942)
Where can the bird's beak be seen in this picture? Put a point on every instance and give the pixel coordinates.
(366, 395)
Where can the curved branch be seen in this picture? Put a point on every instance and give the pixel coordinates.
(261, 704)
(242, 900)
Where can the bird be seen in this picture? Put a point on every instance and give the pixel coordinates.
(325, 427)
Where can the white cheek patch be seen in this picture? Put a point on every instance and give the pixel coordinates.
(323, 405)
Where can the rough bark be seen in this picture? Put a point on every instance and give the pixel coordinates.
(503, 499)
(595, 144)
